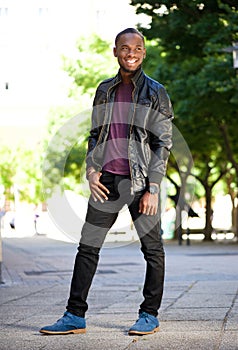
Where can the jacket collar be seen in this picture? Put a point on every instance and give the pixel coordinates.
(136, 80)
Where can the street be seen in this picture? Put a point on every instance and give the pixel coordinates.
(199, 309)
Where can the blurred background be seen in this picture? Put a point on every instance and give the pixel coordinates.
(54, 53)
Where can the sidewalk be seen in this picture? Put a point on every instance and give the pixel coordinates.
(199, 309)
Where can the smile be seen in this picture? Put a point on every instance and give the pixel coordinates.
(131, 61)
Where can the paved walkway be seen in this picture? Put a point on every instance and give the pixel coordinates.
(199, 309)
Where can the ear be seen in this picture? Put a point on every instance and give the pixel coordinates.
(144, 56)
(115, 51)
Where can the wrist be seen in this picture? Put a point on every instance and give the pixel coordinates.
(89, 172)
(153, 188)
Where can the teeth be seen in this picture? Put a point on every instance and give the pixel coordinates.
(131, 61)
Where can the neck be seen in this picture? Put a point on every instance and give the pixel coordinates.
(126, 76)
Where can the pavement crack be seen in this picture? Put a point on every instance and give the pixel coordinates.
(134, 340)
(224, 323)
(27, 295)
(181, 295)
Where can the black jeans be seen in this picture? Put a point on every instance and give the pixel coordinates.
(99, 219)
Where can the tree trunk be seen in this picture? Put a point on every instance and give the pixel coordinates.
(234, 200)
(178, 224)
(235, 220)
(208, 225)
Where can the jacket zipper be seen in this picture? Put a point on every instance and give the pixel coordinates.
(130, 132)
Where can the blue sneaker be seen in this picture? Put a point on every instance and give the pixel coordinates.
(146, 324)
(67, 324)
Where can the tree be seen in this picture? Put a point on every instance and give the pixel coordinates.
(68, 128)
(8, 160)
(93, 63)
(64, 158)
(190, 38)
(20, 171)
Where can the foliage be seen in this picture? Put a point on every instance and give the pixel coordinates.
(93, 63)
(190, 61)
(20, 170)
(65, 155)
(199, 76)
(68, 128)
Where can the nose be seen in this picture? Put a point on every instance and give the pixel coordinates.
(131, 52)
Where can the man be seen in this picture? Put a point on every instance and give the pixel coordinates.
(128, 148)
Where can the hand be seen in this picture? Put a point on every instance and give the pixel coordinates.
(98, 190)
(149, 204)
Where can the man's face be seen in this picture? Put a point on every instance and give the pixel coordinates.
(130, 52)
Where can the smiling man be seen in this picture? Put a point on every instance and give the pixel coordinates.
(130, 52)
(128, 149)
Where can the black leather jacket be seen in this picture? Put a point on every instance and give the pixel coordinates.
(149, 128)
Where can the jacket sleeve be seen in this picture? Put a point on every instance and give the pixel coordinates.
(99, 125)
(94, 132)
(160, 130)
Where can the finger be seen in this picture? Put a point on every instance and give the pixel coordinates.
(105, 189)
(94, 197)
(154, 210)
(148, 211)
(94, 194)
(98, 197)
(99, 194)
(141, 207)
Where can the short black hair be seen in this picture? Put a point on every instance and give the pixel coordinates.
(129, 30)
